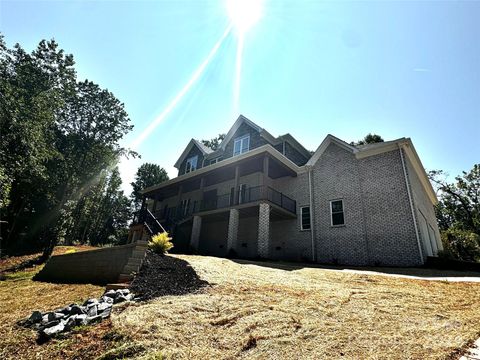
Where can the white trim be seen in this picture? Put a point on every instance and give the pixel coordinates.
(185, 152)
(229, 161)
(411, 204)
(331, 213)
(240, 140)
(301, 217)
(323, 146)
(190, 159)
(241, 119)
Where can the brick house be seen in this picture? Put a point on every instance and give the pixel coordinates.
(263, 196)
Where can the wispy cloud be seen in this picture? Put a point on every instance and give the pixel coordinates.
(421, 70)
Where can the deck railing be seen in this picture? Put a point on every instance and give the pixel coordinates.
(175, 214)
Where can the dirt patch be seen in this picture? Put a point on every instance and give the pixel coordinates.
(162, 275)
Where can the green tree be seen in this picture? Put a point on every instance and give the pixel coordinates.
(215, 142)
(148, 174)
(58, 138)
(459, 204)
(458, 213)
(368, 139)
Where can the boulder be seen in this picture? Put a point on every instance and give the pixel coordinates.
(106, 299)
(92, 311)
(120, 299)
(77, 310)
(71, 322)
(90, 302)
(36, 317)
(110, 293)
(53, 330)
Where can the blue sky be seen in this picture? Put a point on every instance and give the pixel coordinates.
(309, 68)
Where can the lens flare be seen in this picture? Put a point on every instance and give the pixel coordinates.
(244, 13)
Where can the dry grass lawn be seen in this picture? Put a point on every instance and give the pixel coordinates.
(257, 312)
(266, 313)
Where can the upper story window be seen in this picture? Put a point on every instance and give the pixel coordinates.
(214, 161)
(336, 210)
(191, 164)
(241, 145)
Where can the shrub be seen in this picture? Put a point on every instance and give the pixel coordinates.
(160, 243)
(461, 244)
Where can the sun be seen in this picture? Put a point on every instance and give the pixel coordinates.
(244, 13)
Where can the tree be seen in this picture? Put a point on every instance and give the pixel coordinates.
(459, 204)
(215, 142)
(368, 139)
(458, 213)
(147, 175)
(58, 137)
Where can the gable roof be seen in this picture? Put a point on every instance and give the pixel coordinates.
(364, 151)
(241, 119)
(204, 149)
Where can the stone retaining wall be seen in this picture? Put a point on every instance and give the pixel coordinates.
(100, 266)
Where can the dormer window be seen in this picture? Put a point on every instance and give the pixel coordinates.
(191, 164)
(241, 145)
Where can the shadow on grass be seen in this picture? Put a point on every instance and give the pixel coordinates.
(421, 272)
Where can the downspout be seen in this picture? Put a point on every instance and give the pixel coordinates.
(411, 203)
(309, 168)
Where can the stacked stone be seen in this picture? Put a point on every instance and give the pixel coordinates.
(93, 310)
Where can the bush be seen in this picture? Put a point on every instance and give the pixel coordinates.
(160, 243)
(461, 245)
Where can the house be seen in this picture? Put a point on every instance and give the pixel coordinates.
(260, 196)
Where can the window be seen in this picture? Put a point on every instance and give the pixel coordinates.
(191, 164)
(185, 205)
(336, 209)
(214, 161)
(305, 218)
(241, 145)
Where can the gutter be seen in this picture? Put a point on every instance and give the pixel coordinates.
(411, 203)
(309, 169)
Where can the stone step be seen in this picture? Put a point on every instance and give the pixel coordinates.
(138, 254)
(134, 261)
(117, 286)
(125, 278)
(128, 269)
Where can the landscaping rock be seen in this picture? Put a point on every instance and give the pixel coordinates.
(53, 330)
(36, 317)
(93, 310)
(76, 309)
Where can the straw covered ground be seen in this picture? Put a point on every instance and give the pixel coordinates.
(258, 311)
(252, 311)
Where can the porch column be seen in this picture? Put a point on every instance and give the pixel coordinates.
(196, 228)
(263, 230)
(264, 178)
(236, 185)
(232, 230)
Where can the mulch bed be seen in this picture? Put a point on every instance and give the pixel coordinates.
(162, 275)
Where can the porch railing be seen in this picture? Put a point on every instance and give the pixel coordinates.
(249, 195)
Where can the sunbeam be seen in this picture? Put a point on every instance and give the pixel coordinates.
(238, 72)
(196, 75)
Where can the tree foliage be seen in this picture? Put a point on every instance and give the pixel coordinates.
(215, 142)
(147, 175)
(458, 212)
(58, 149)
(368, 139)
